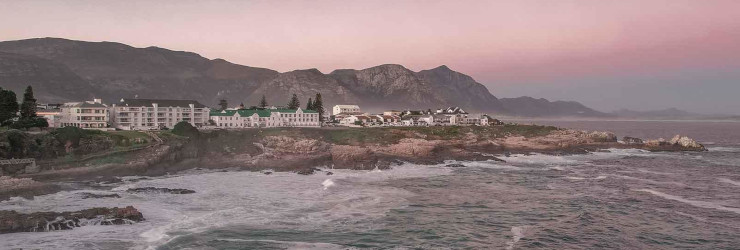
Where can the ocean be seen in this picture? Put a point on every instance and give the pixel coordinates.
(616, 199)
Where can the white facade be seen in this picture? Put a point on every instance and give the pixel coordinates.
(89, 114)
(265, 118)
(145, 114)
(338, 109)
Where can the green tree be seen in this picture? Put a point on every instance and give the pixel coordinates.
(309, 105)
(8, 107)
(223, 104)
(318, 105)
(263, 102)
(28, 106)
(184, 128)
(294, 103)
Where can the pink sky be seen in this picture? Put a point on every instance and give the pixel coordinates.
(496, 42)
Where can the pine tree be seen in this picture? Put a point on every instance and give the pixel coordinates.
(223, 104)
(309, 105)
(28, 106)
(318, 105)
(294, 102)
(8, 106)
(263, 102)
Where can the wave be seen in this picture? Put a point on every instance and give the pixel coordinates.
(726, 180)
(702, 204)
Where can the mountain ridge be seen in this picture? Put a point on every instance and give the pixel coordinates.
(112, 71)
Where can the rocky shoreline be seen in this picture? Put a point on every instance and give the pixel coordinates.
(301, 151)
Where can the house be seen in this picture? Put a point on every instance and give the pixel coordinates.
(417, 120)
(390, 120)
(265, 118)
(146, 114)
(338, 109)
(392, 112)
(451, 110)
(88, 114)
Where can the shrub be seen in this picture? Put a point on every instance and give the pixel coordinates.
(185, 129)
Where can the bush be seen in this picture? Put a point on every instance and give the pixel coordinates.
(31, 122)
(185, 129)
(69, 134)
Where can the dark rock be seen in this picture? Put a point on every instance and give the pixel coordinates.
(13, 222)
(98, 196)
(329, 173)
(632, 140)
(160, 190)
(455, 165)
(267, 173)
(308, 171)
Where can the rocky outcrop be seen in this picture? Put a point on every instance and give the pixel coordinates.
(98, 196)
(677, 143)
(12, 221)
(160, 190)
(603, 136)
(290, 145)
(632, 140)
(354, 157)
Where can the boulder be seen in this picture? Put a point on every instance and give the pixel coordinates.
(602, 136)
(632, 140)
(12, 221)
(354, 157)
(687, 143)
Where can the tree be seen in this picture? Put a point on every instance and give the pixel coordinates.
(184, 128)
(294, 103)
(318, 105)
(224, 105)
(263, 102)
(8, 106)
(309, 105)
(28, 106)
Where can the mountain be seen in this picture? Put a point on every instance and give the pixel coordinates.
(530, 107)
(67, 70)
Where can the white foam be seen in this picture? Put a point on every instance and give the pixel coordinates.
(226, 199)
(517, 234)
(723, 149)
(327, 183)
(702, 204)
(725, 180)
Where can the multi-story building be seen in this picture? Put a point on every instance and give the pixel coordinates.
(265, 118)
(52, 116)
(88, 114)
(338, 109)
(146, 114)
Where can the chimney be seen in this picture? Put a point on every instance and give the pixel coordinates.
(98, 100)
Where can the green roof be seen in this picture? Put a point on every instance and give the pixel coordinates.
(260, 112)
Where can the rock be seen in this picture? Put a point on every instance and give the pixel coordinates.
(632, 140)
(455, 165)
(329, 173)
(656, 143)
(13, 222)
(354, 157)
(267, 173)
(98, 196)
(308, 171)
(160, 190)
(687, 143)
(602, 136)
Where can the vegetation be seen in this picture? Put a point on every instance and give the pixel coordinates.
(318, 105)
(294, 102)
(8, 107)
(185, 129)
(309, 105)
(263, 102)
(223, 104)
(28, 106)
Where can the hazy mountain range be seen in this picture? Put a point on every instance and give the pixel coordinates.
(66, 70)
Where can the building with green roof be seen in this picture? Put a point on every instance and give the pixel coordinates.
(265, 118)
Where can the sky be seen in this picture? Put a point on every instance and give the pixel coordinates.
(635, 54)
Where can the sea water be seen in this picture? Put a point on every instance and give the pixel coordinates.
(624, 198)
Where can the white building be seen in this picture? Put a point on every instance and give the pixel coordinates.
(53, 116)
(338, 109)
(265, 118)
(88, 114)
(145, 114)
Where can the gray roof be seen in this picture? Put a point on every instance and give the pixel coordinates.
(160, 102)
(84, 105)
